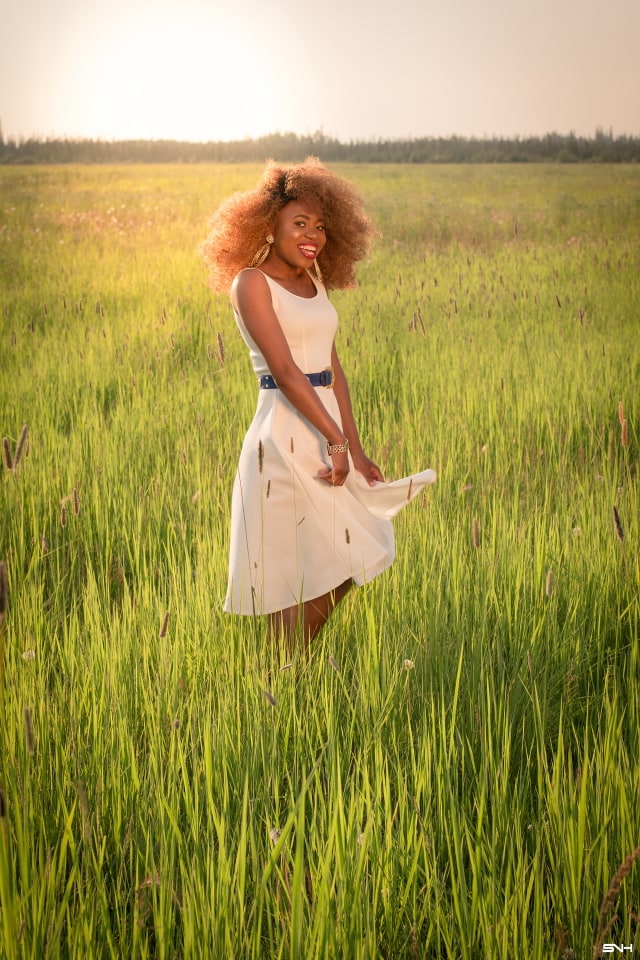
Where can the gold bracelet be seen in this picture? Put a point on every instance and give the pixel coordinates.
(337, 447)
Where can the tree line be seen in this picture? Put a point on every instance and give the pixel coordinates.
(290, 147)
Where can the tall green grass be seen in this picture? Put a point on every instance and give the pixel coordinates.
(454, 772)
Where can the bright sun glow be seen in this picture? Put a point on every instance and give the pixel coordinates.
(196, 75)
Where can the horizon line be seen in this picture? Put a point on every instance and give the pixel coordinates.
(318, 136)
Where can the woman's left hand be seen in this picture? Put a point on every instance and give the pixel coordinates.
(369, 470)
(337, 473)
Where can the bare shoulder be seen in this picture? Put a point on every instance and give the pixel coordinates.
(250, 281)
(250, 291)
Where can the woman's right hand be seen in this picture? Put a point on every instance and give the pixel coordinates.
(338, 472)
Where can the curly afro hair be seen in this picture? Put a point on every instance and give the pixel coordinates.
(239, 227)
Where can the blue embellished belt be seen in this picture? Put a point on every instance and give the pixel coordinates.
(322, 379)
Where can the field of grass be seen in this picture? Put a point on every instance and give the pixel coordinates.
(455, 772)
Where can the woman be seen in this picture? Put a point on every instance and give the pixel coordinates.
(310, 511)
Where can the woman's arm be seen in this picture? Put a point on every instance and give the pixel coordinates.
(256, 309)
(361, 462)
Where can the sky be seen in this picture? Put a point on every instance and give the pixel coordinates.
(353, 69)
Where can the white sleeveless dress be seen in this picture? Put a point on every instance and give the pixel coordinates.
(294, 537)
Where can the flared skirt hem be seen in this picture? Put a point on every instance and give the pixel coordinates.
(257, 609)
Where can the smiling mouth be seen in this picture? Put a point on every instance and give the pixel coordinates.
(308, 251)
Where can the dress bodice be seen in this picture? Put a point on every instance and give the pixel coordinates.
(309, 326)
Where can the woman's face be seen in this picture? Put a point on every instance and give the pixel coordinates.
(299, 235)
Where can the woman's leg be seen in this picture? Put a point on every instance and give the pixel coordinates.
(307, 618)
(316, 612)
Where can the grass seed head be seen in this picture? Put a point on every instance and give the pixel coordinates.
(220, 349)
(610, 898)
(620, 413)
(29, 737)
(164, 626)
(84, 810)
(63, 516)
(548, 587)
(617, 526)
(76, 501)
(21, 445)
(572, 680)
(4, 590)
(260, 455)
(475, 533)
(6, 454)
(269, 697)
(624, 433)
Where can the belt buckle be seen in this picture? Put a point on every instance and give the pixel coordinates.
(327, 378)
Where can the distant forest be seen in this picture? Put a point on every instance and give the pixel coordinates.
(289, 147)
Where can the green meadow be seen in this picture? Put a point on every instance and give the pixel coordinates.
(454, 772)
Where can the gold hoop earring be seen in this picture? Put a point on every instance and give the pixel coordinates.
(263, 252)
(317, 270)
